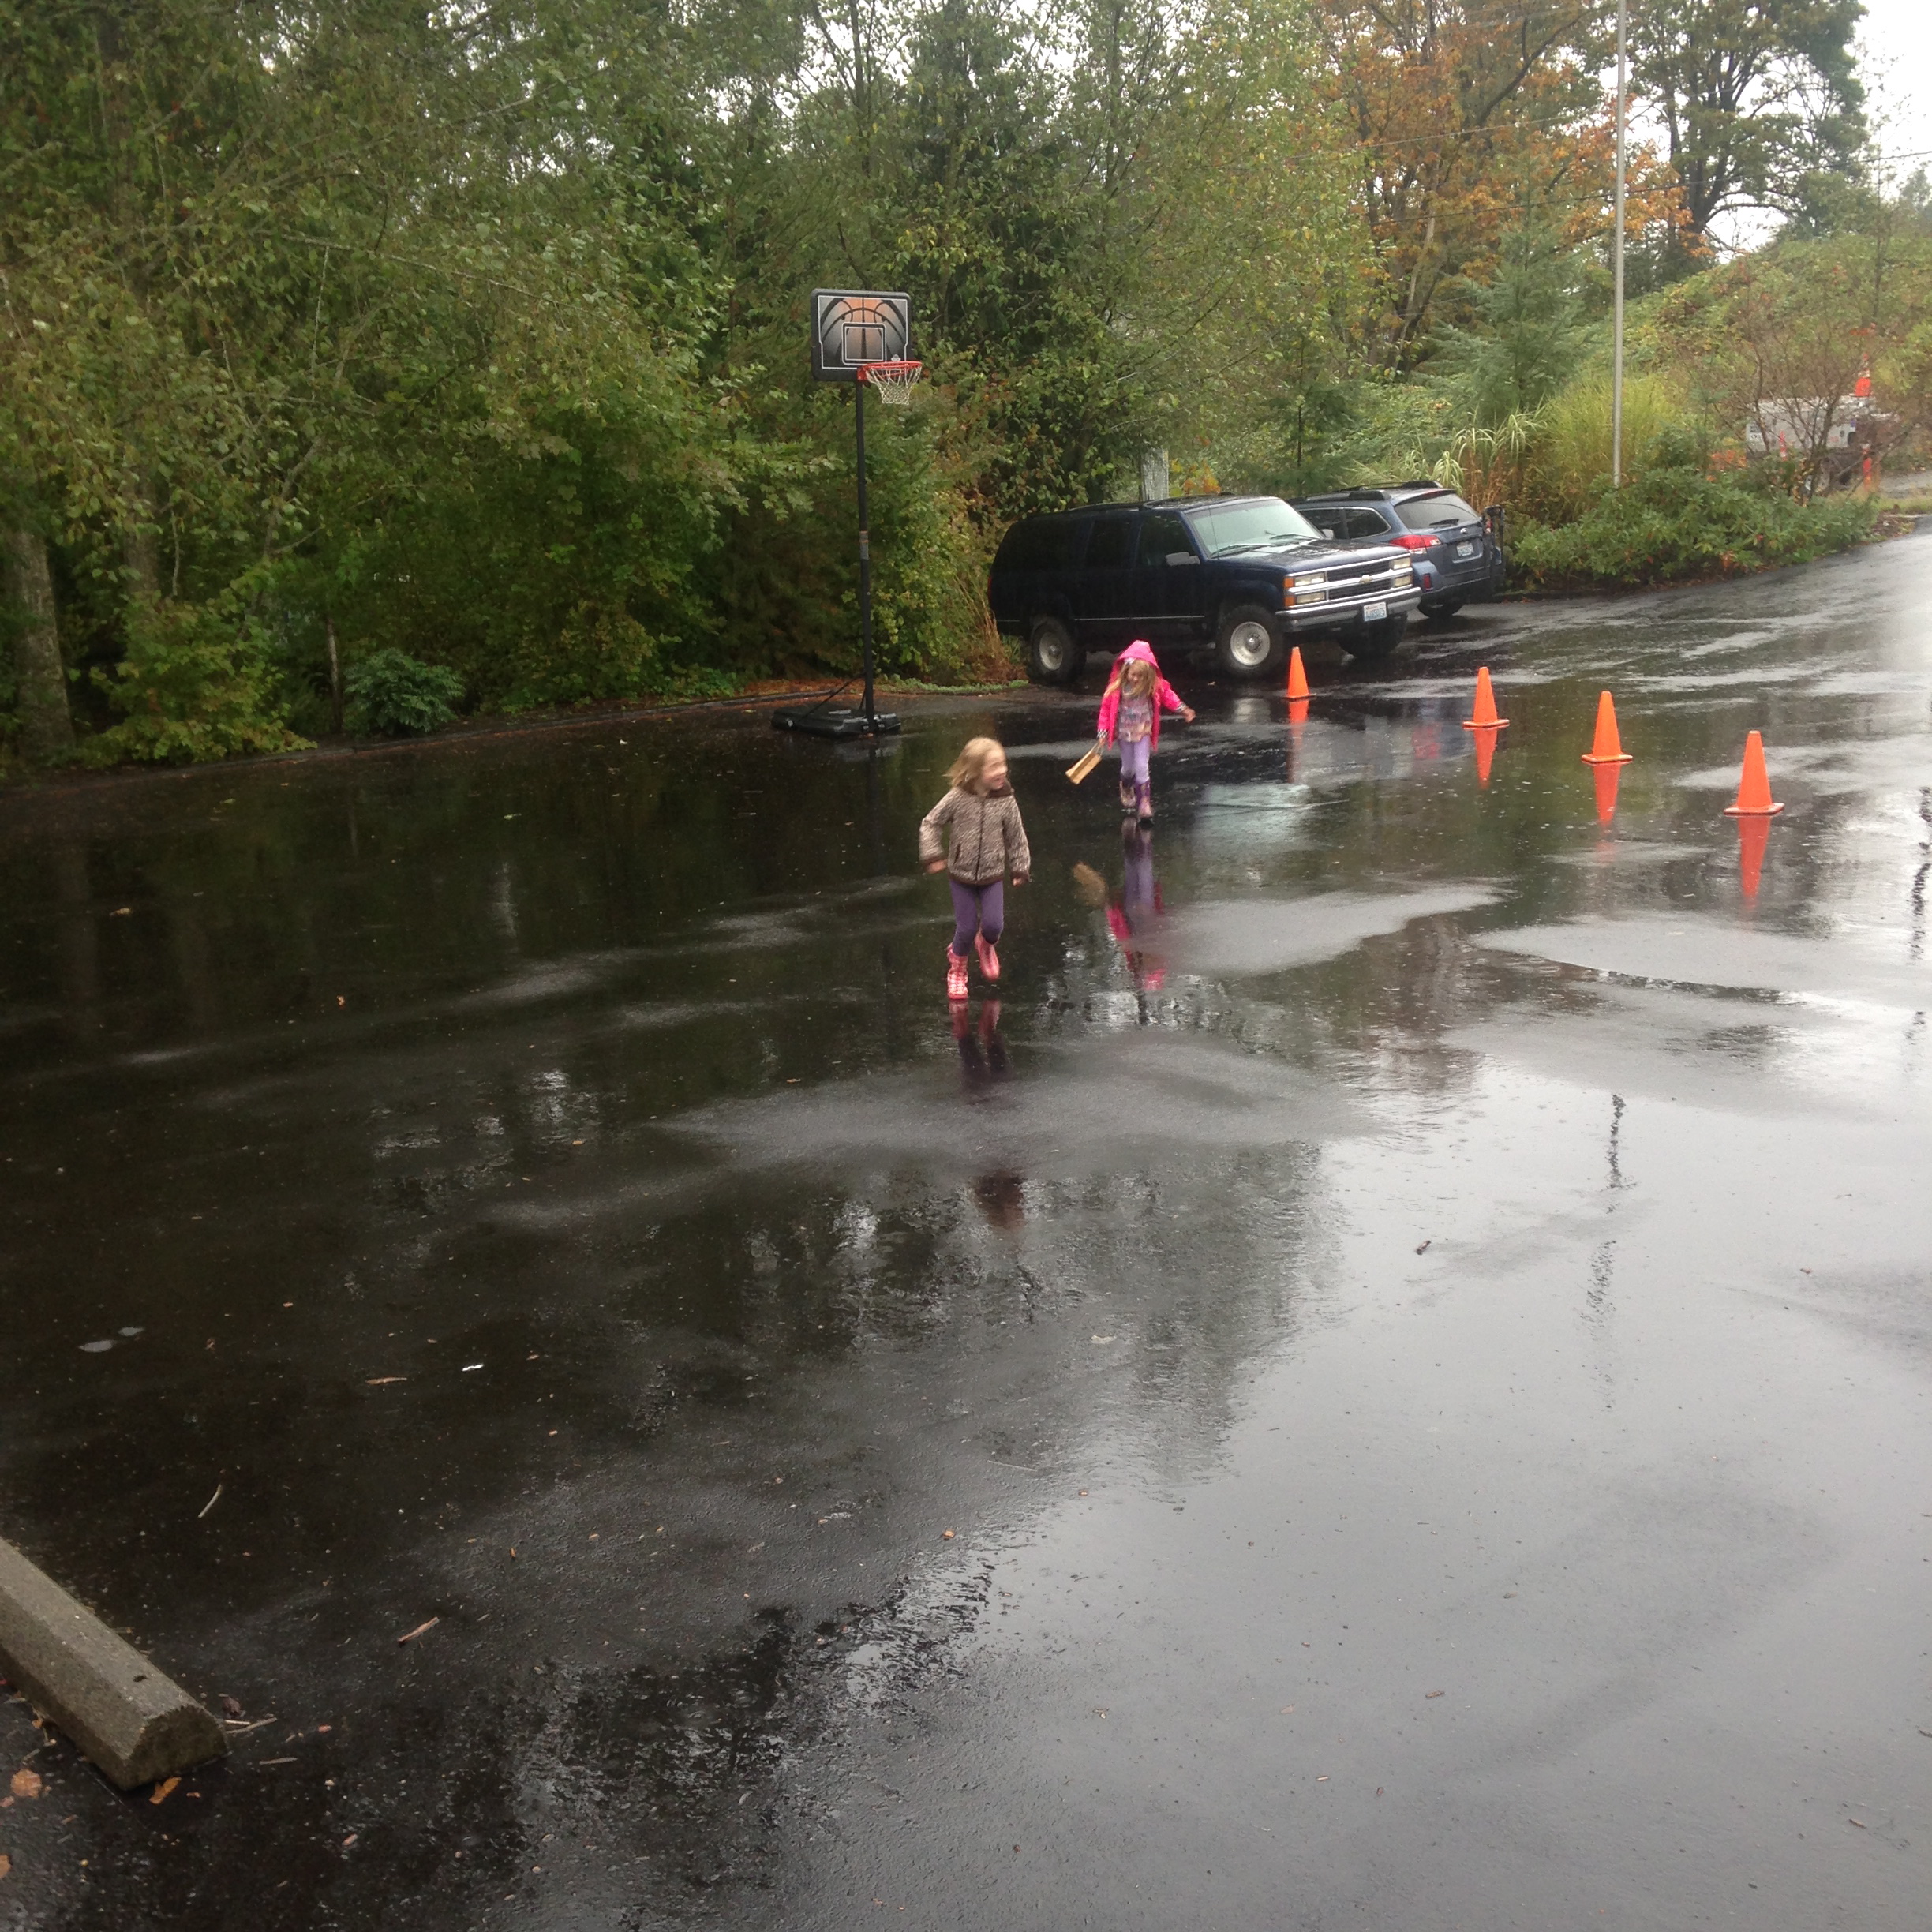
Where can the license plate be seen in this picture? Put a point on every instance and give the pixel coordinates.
(1374, 613)
(1466, 549)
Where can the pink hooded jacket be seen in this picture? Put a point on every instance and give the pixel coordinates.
(1165, 697)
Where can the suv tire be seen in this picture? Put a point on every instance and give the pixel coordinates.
(1443, 607)
(1053, 658)
(1372, 642)
(1248, 643)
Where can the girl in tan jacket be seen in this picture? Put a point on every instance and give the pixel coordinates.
(987, 841)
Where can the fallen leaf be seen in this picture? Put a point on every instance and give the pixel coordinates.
(6, 1864)
(1378, 1791)
(382, 1381)
(1424, 1248)
(1285, 1709)
(231, 1707)
(1430, 1693)
(1322, 1779)
(1859, 1823)
(27, 1785)
(947, 1534)
(162, 1790)
(121, 912)
(351, 1839)
(320, 1729)
(418, 1630)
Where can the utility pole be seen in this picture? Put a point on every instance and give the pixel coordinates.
(1616, 325)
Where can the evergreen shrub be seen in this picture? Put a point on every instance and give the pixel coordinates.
(1677, 524)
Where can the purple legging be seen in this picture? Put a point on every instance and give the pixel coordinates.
(977, 909)
(1133, 758)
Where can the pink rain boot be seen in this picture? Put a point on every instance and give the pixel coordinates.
(956, 976)
(989, 959)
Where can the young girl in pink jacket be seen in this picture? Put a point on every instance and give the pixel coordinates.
(1130, 715)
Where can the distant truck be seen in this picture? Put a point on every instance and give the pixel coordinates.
(1839, 437)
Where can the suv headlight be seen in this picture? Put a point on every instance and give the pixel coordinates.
(1307, 587)
(1401, 571)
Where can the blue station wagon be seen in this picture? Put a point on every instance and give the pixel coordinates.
(1243, 575)
(1458, 551)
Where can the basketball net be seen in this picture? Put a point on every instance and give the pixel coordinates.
(891, 382)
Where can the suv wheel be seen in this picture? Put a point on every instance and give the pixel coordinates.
(1052, 656)
(1372, 641)
(1248, 644)
(1442, 607)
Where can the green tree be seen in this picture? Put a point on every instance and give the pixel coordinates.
(1760, 100)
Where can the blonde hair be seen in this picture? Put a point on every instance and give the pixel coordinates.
(1137, 680)
(974, 757)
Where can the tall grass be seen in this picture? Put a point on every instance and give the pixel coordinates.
(1570, 463)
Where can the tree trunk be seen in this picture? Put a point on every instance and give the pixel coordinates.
(46, 728)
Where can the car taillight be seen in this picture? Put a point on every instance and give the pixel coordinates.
(1413, 540)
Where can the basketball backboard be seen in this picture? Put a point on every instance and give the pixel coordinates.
(853, 327)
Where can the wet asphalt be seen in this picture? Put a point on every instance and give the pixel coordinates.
(1386, 1383)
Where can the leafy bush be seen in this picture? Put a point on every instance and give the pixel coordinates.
(394, 695)
(1677, 524)
(198, 682)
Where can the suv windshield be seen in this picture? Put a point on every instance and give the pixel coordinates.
(1254, 525)
(1426, 512)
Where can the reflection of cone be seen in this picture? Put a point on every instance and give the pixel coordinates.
(1297, 710)
(1485, 717)
(1485, 753)
(1608, 749)
(1297, 678)
(1606, 777)
(1754, 798)
(1753, 834)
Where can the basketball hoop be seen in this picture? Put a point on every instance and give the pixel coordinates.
(891, 382)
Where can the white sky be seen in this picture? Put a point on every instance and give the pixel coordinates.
(1895, 42)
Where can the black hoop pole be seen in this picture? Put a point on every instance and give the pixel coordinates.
(865, 547)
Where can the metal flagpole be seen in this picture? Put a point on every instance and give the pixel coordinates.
(865, 548)
(1616, 327)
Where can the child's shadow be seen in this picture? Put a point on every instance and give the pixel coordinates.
(983, 1063)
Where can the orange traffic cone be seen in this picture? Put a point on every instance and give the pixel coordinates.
(1297, 678)
(1754, 798)
(1607, 776)
(1608, 748)
(1485, 718)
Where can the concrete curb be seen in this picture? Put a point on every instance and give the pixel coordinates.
(130, 1720)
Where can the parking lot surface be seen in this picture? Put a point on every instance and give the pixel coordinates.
(1388, 1382)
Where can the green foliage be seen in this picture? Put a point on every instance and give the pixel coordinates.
(198, 682)
(392, 694)
(1527, 332)
(1677, 525)
(1571, 458)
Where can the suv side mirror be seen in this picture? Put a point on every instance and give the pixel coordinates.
(1182, 556)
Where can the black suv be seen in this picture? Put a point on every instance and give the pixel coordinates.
(1458, 554)
(1243, 573)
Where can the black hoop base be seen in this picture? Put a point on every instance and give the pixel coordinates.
(837, 721)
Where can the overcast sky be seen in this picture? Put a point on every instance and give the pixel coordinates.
(1896, 39)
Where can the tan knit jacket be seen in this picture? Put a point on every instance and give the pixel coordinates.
(987, 837)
